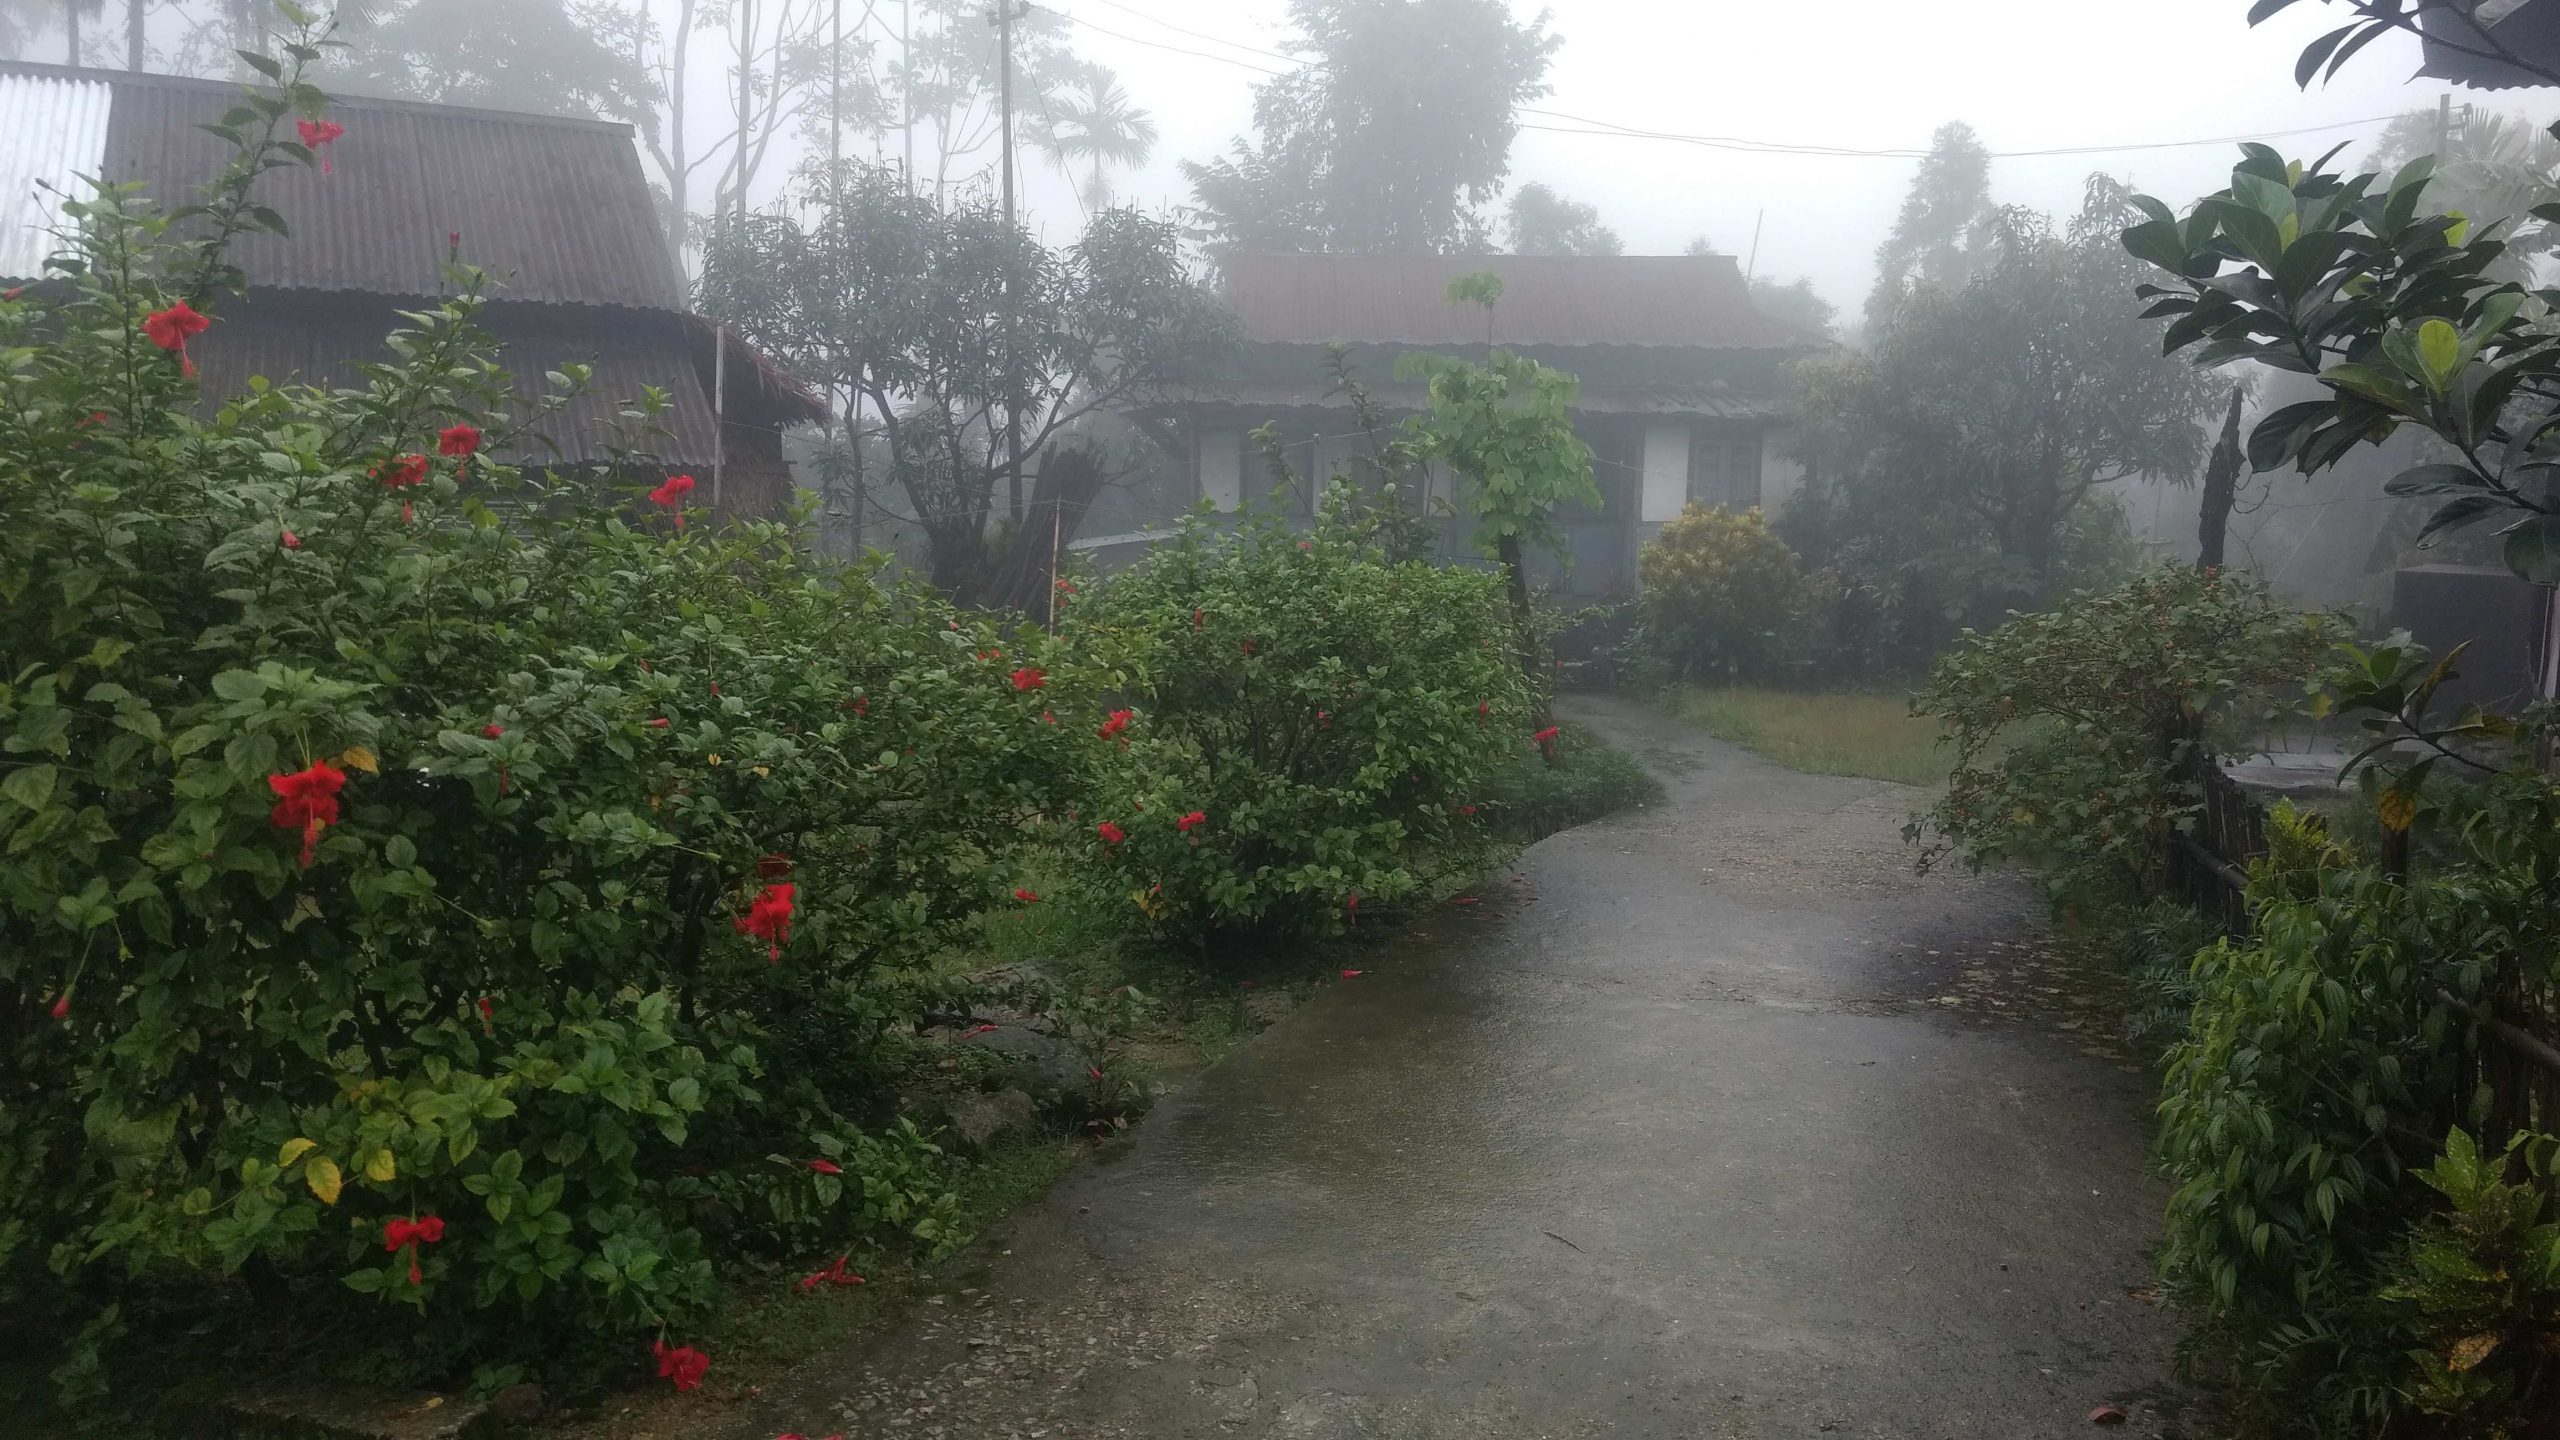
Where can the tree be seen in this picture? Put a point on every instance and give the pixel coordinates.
(1796, 302)
(1966, 450)
(1938, 240)
(1091, 122)
(501, 54)
(1507, 426)
(927, 322)
(1541, 222)
(1390, 140)
(2490, 166)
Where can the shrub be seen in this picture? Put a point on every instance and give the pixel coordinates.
(397, 837)
(1722, 597)
(1308, 727)
(2075, 730)
(2479, 1285)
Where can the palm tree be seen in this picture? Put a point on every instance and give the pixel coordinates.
(1091, 120)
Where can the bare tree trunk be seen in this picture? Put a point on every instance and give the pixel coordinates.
(679, 171)
(2221, 488)
(1524, 634)
(71, 31)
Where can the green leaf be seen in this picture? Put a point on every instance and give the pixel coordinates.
(31, 786)
(2435, 480)
(236, 685)
(2533, 550)
(2440, 351)
(2457, 513)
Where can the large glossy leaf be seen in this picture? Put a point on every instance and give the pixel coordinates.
(2468, 510)
(2279, 435)
(2533, 549)
(2434, 480)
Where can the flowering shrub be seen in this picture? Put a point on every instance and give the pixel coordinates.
(1722, 597)
(425, 883)
(1306, 724)
(2074, 729)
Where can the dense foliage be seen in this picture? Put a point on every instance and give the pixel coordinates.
(1722, 598)
(1308, 729)
(2397, 308)
(2075, 730)
(943, 335)
(438, 885)
(1393, 139)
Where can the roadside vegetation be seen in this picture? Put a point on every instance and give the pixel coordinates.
(1821, 732)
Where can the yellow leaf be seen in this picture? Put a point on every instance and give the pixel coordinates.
(763, 770)
(2398, 810)
(2469, 1351)
(381, 1169)
(293, 1150)
(715, 757)
(356, 757)
(323, 1178)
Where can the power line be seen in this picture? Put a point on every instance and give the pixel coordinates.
(1610, 129)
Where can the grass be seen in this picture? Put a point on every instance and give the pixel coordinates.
(1825, 732)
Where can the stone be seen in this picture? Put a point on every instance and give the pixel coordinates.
(980, 1120)
(354, 1413)
(520, 1404)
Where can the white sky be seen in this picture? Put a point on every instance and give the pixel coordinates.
(2026, 74)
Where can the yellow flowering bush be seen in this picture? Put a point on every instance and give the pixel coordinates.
(1722, 597)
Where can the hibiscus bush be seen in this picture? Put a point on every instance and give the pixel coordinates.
(448, 892)
(1307, 727)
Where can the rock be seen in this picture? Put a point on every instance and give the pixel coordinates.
(354, 1413)
(520, 1404)
(982, 1119)
(2106, 1415)
(1325, 1415)
(1042, 1065)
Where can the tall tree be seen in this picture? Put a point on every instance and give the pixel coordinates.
(1973, 444)
(1391, 139)
(1092, 123)
(1796, 302)
(1944, 229)
(545, 55)
(952, 83)
(926, 322)
(1539, 221)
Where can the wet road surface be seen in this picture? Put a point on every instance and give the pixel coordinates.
(1716, 1121)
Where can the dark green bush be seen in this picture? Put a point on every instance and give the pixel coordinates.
(1307, 726)
(1722, 598)
(394, 836)
(2075, 729)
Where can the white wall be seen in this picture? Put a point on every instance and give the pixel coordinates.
(1781, 476)
(1222, 468)
(1666, 473)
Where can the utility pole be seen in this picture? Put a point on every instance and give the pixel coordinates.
(1004, 18)
(2444, 126)
(134, 54)
(71, 29)
(833, 228)
(907, 86)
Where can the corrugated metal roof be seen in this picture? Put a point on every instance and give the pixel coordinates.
(320, 342)
(2530, 29)
(558, 209)
(1687, 301)
(53, 131)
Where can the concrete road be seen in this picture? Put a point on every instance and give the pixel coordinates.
(1715, 1121)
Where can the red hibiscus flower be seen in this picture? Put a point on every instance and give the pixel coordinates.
(1548, 735)
(62, 1006)
(406, 471)
(459, 441)
(1118, 722)
(289, 540)
(1350, 974)
(1192, 821)
(1027, 897)
(769, 919)
(170, 328)
(488, 1013)
(1111, 834)
(661, 723)
(13, 292)
(399, 1234)
(1030, 677)
(1198, 616)
(834, 1274)
(316, 138)
(684, 1365)
(307, 800)
(826, 1167)
(672, 494)
(493, 730)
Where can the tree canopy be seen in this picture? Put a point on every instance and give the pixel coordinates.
(1539, 221)
(1939, 238)
(1392, 138)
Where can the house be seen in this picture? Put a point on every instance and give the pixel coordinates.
(1680, 379)
(557, 210)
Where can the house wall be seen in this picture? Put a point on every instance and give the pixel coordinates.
(1646, 468)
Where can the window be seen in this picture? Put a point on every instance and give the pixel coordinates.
(1724, 469)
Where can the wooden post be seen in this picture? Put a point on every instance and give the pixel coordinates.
(719, 407)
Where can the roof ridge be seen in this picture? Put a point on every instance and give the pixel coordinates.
(154, 80)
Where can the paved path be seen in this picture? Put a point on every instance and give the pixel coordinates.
(1716, 1122)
